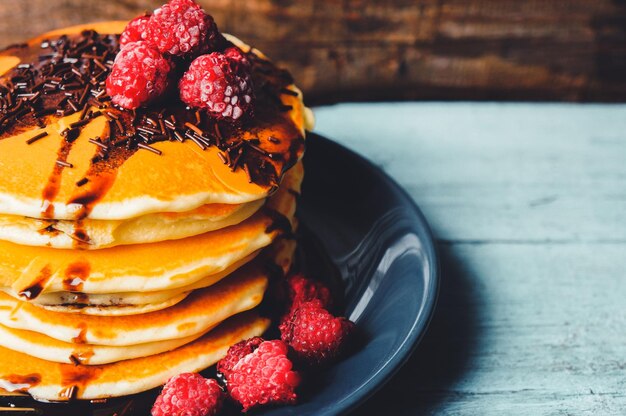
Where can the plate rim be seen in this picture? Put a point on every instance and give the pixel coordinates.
(422, 321)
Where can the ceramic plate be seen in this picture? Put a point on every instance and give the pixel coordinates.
(383, 249)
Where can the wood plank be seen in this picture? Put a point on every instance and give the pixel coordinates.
(445, 49)
(520, 329)
(552, 173)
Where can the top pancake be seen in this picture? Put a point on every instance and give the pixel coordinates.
(138, 182)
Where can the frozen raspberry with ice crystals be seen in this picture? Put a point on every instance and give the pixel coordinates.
(237, 352)
(314, 334)
(135, 30)
(182, 28)
(262, 376)
(219, 83)
(139, 75)
(189, 394)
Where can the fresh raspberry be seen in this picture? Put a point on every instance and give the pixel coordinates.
(189, 394)
(236, 353)
(314, 334)
(181, 28)
(220, 84)
(139, 75)
(301, 289)
(135, 30)
(263, 376)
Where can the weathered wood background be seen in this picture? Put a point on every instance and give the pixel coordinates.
(395, 49)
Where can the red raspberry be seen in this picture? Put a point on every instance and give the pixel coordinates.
(189, 394)
(236, 353)
(301, 289)
(181, 28)
(139, 75)
(220, 84)
(135, 30)
(263, 376)
(315, 335)
(236, 54)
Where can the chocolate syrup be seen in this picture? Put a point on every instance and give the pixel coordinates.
(78, 375)
(75, 276)
(34, 290)
(22, 382)
(87, 197)
(82, 356)
(49, 229)
(81, 338)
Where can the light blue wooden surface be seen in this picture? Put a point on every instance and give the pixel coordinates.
(528, 204)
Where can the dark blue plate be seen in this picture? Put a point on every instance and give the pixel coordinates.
(381, 244)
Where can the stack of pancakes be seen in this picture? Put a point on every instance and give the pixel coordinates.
(122, 267)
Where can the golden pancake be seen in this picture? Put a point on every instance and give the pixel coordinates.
(200, 311)
(131, 268)
(129, 303)
(50, 349)
(46, 380)
(144, 229)
(131, 183)
(147, 228)
(280, 254)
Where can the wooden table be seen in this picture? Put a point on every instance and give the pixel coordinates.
(528, 204)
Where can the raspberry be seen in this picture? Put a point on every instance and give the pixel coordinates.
(236, 353)
(189, 394)
(301, 289)
(220, 84)
(139, 75)
(314, 334)
(181, 28)
(237, 55)
(263, 376)
(135, 30)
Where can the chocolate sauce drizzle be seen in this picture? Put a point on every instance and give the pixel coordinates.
(35, 289)
(23, 382)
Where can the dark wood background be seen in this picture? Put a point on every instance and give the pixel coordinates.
(342, 50)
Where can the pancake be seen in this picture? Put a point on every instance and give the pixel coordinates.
(46, 380)
(148, 228)
(132, 183)
(133, 268)
(279, 254)
(46, 348)
(200, 311)
(128, 303)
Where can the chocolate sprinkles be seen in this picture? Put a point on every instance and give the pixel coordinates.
(150, 148)
(64, 164)
(37, 137)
